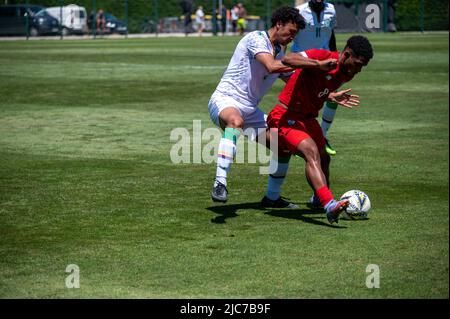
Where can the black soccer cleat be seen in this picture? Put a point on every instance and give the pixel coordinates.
(219, 192)
(279, 203)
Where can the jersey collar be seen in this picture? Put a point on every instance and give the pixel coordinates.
(277, 46)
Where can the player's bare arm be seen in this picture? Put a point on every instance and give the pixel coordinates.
(298, 61)
(272, 65)
(344, 98)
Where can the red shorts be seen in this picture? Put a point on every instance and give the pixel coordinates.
(292, 130)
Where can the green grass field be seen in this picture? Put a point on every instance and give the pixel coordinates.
(86, 178)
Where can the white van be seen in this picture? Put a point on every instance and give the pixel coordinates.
(74, 18)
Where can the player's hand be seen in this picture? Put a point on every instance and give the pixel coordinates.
(344, 98)
(328, 65)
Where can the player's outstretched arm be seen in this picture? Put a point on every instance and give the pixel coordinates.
(298, 61)
(272, 65)
(343, 98)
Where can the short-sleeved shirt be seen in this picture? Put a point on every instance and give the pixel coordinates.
(199, 16)
(315, 35)
(234, 13)
(247, 80)
(308, 89)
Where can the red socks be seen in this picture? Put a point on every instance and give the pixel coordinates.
(324, 194)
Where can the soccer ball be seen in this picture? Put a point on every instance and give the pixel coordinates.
(358, 207)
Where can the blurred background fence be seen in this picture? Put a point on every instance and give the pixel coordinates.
(166, 16)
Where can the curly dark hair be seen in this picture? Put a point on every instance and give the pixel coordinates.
(361, 46)
(288, 14)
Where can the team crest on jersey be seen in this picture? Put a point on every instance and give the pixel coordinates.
(328, 77)
(291, 122)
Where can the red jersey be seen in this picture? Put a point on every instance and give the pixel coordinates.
(308, 89)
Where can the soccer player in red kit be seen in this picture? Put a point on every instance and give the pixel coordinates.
(294, 117)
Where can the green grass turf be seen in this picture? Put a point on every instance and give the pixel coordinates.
(86, 178)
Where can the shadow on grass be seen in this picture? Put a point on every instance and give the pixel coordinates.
(230, 211)
(315, 217)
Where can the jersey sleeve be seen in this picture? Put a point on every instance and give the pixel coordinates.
(317, 54)
(257, 44)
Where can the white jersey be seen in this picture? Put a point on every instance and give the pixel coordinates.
(316, 35)
(246, 80)
(199, 16)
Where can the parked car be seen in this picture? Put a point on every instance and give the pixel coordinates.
(114, 25)
(43, 23)
(13, 18)
(73, 20)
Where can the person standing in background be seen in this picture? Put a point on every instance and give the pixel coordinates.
(223, 18)
(200, 20)
(101, 22)
(242, 15)
(186, 7)
(391, 16)
(234, 18)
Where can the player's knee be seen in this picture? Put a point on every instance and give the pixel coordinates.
(311, 154)
(309, 150)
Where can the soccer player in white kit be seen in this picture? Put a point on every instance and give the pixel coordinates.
(254, 67)
(320, 18)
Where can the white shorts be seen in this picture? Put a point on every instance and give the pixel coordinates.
(254, 119)
(200, 25)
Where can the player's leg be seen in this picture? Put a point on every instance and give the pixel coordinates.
(306, 139)
(279, 166)
(256, 125)
(328, 114)
(325, 164)
(314, 201)
(307, 149)
(231, 122)
(313, 169)
(224, 113)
